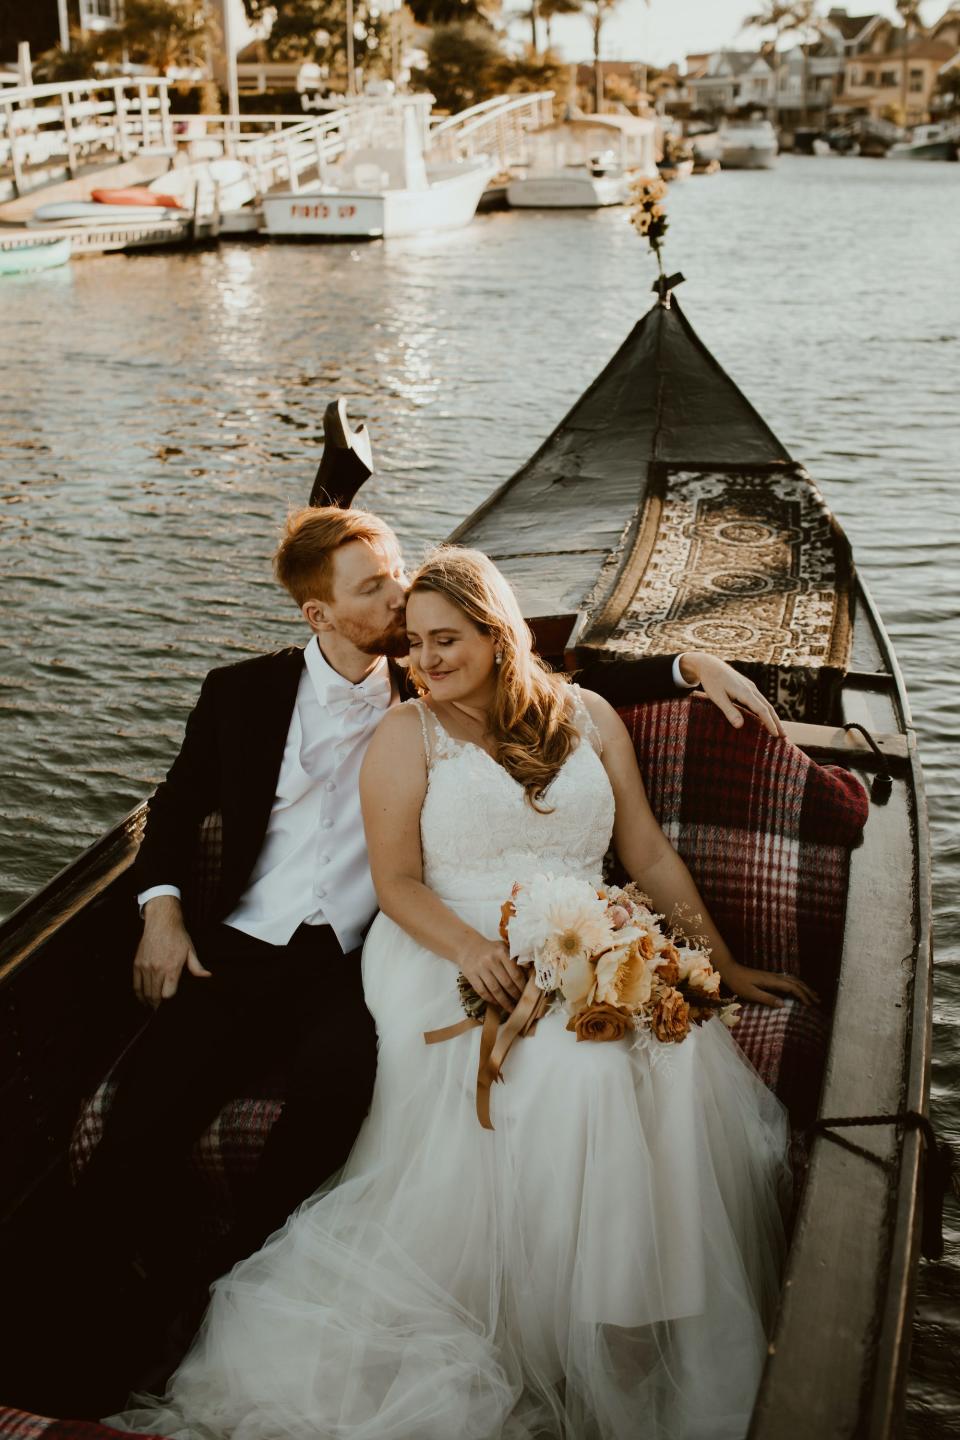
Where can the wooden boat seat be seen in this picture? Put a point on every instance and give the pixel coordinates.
(767, 833)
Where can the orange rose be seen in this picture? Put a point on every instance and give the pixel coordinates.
(669, 972)
(671, 1018)
(600, 1022)
(507, 912)
(645, 944)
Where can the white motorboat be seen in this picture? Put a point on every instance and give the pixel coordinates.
(748, 145)
(928, 142)
(381, 192)
(585, 163)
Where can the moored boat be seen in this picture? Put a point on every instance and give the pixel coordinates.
(381, 191)
(661, 514)
(585, 163)
(19, 256)
(928, 142)
(748, 145)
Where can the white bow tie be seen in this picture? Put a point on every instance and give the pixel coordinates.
(373, 693)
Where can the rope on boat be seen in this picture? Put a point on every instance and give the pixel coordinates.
(941, 1167)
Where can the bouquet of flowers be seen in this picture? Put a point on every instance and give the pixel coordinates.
(605, 956)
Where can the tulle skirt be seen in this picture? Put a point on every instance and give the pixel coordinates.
(600, 1266)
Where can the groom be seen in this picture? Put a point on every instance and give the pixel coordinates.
(275, 745)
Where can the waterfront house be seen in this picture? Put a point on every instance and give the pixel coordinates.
(874, 80)
(730, 80)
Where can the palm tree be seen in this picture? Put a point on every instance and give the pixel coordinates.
(909, 12)
(598, 10)
(781, 18)
(809, 24)
(547, 9)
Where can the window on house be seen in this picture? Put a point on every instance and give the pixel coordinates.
(870, 78)
(888, 77)
(916, 80)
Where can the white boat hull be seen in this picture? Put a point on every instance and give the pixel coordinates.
(933, 150)
(565, 191)
(446, 203)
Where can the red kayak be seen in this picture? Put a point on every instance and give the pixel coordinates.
(136, 195)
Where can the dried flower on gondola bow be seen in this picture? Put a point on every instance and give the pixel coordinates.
(648, 215)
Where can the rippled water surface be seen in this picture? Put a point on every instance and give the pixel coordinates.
(159, 413)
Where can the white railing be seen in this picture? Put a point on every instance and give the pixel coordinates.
(278, 149)
(49, 129)
(497, 127)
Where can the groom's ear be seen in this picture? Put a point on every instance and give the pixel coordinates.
(316, 614)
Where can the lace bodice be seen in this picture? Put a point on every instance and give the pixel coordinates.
(478, 832)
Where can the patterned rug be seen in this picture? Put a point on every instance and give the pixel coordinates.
(748, 564)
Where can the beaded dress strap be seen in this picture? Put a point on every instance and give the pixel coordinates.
(584, 720)
(437, 743)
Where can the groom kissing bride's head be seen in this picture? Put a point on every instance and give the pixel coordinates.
(345, 570)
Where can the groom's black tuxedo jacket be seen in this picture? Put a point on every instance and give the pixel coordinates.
(232, 750)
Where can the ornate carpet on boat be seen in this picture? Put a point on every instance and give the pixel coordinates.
(748, 564)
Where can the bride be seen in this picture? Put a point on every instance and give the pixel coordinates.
(602, 1264)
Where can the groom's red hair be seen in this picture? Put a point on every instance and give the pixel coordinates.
(303, 562)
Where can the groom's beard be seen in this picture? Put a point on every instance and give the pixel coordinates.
(392, 641)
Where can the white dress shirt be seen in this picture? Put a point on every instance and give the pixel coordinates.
(313, 868)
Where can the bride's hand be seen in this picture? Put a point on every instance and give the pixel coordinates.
(764, 986)
(495, 977)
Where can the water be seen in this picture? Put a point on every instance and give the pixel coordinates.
(158, 415)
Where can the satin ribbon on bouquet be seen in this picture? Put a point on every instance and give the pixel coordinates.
(496, 1039)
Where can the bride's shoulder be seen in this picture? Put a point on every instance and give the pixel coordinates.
(399, 736)
(601, 713)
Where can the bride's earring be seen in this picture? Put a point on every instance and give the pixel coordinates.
(497, 658)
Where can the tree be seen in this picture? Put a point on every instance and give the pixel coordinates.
(316, 30)
(462, 65)
(597, 11)
(163, 33)
(549, 8)
(811, 26)
(158, 33)
(782, 19)
(909, 12)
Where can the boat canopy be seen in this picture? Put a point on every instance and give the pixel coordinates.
(676, 464)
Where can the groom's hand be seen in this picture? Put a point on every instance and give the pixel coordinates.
(727, 688)
(163, 952)
(495, 977)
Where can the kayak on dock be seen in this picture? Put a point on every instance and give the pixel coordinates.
(19, 256)
(135, 195)
(90, 212)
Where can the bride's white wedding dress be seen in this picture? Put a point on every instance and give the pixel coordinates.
(598, 1267)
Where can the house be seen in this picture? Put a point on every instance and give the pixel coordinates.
(730, 80)
(875, 84)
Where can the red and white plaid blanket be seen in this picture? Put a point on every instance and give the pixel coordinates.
(18, 1425)
(766, 833)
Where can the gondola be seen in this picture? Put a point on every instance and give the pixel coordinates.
(661, 514)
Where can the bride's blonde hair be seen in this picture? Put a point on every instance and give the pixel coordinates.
(529, 723)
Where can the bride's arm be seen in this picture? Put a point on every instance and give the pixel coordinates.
(393, 784)
(648, 858)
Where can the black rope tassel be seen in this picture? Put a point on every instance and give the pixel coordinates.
(941, 1169)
